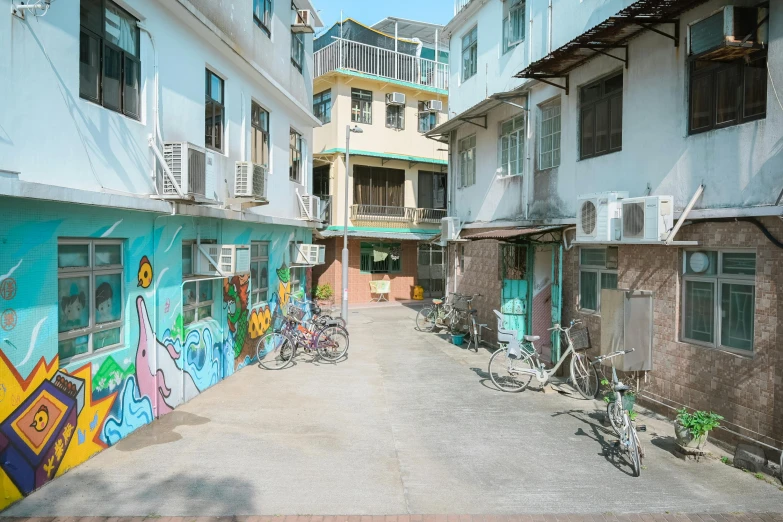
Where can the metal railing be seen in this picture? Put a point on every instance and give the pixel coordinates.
(459, 5)
(429, 215)
(368, 59)
(360, 212)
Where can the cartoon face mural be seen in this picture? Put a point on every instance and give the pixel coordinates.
(145, 272)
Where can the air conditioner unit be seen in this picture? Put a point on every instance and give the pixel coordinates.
(250, 181)
(434, 105)
(395, 98)
(309, 207)
(187, 163)
(647, 219)
(309, 255)
(303, 21)
(449, 229)
(598, 216)
(222, 260)
(729, 33)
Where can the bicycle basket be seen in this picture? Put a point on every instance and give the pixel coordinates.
(579, 338)
(295, 312)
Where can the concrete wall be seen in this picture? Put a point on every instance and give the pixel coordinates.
(117, 389)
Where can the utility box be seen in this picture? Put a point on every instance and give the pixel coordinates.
(627, 322)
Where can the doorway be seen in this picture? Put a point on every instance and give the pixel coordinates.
(431, 270)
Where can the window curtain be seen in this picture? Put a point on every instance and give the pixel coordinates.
(121, 30)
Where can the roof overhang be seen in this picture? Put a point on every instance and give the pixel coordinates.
(402, 235)
(609, 37)
(543, 233)
(384, 156)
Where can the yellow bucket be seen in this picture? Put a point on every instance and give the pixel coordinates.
(418, 292)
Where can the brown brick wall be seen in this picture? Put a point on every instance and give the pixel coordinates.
(747, 390)
(480, 276)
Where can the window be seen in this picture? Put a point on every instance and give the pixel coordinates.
(295, 164)
(514, 26)
(259, 135)
(428, 119)
(297, 50)
(512, 146)
(597, 271)
(197, 296)
(262, 14)
(461, 258)
(322, 106)
(726, 93)
(719, 298)
(109, 65)
(395, 116)
(297, 277)
(89, 296)
(466, 148)
(549, 136)
(601, 113)
(378, 186)
(432, 190)
(213, 106)
(381, 258)
(259, 272)
(470, 53)
(361, 106)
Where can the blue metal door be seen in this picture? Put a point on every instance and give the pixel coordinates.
(515, 295)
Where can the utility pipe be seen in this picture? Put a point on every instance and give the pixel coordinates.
(684, 215)
(156, 104)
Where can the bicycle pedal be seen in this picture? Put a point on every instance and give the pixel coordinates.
(641, 427)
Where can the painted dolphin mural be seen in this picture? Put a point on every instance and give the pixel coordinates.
(157, 373)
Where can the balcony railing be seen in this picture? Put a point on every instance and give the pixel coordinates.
(368, 59)
(459, 5)
(396, 214)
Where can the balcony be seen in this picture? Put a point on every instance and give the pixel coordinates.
(368, 59)
(459, 5)
(380, 213)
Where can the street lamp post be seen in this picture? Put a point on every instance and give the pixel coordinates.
(348, 131)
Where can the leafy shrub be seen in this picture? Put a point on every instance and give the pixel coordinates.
(324, 292)
(699, 422)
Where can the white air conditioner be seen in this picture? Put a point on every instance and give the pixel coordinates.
(309, 207)
(309, 255)
(250, 181)
(395, 98)
(434, 105)
(187, 163)
(729, 33)
(222, 260)
(647, 219)
(449, 229)
(303, 21)
(598, 216)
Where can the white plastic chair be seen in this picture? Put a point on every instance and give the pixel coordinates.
(508, 337)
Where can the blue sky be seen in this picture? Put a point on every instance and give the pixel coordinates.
(370, 11)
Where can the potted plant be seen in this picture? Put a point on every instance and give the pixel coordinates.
(324, 295)
(691, 429)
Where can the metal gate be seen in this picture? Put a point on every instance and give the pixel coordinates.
(431, 271)
(514, 263)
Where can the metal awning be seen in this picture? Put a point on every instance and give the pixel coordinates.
(372, 234)
(610, 35)
(507, 232)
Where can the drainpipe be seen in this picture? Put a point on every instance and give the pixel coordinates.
(396, 58)
(549, 41)
(156, 103)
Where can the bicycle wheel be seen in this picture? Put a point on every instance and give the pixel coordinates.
(474, 333)
(615, 415)
(505, 371)
(584, 377)
(633, 446)
(326, 319)
(274, 351)
(332, 342)
(426, 318)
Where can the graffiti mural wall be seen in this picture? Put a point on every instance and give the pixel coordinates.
(103, 327)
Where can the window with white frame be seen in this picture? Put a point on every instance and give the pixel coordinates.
(361, 106)
(259, 135)
(295, 157)
(89, 296)
(395, 116)
(597, 271)
(259, 272)
(466, 148)
(428, 119)
(512, 146)
(470, 53)
(514, 25)
(295, 271)
(549, 135)
(297, 50)
(197, 296)
(719, 295)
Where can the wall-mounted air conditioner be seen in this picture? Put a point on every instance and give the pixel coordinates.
(309, 207)
(598, 216)
(222, 260)
(449, 229)
(434, 105)
(303, 21)
(309, 255)
(729, 33)
(250, 181)
(647, 219)
(395, 98)
(187, 163)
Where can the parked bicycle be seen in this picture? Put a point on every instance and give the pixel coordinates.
(446, 314)
(314, 313)
(618, 413)
(514, 366)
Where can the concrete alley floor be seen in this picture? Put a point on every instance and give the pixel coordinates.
(407, 424)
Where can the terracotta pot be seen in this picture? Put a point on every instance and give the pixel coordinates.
(686, 440)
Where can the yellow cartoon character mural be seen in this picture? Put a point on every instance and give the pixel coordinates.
(145, 272)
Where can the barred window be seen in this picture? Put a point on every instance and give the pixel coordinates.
(549, 136)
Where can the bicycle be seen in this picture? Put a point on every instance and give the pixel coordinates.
(315, 313)
(513, 367)
(446, 314)
(277, 349)
(618, 413)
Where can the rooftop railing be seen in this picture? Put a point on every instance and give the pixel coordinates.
(362, 212)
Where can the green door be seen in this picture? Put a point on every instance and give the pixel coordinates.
(514, 298)
(557, 298)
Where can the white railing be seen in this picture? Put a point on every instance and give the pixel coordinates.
(368, 59)
(459, 5)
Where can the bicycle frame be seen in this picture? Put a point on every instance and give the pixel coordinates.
(542, 374)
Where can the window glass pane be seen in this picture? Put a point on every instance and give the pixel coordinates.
(737, 305)
(613, 84)
(424, 257)
(701, 102)
(73, 256)
(726, 95)
(108, 255)
(254, 268)
(204, 312)
(588, 293)
(755, 88)
(215, 87)
(89, 66)
(616, 123)
(608, 281)
(602, 126)
(217, 126)
(121, 29)
(108, 298)
(73, 297)
(437, 257)
(187, 259)
(131, 89)
(263, 277)
(700, 311)
(253, 250)
(701, 263)
(588, 129)
(90, 14)
(590, 93)
(189, 316)
(263, 249)
(736, 263)
(593, 256)
(205, 291)
(189, 294)
(112, 76)
(71, 347)
(105, 338)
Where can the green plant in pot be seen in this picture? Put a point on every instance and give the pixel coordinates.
(629, 399)
(324, 294)
(691, 429)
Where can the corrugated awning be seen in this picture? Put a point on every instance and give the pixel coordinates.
(385, 156)
(506, 232)
(611, 34)
(476, 115)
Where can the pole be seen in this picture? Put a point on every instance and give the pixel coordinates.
(344, 309)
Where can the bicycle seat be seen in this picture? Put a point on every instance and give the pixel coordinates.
(437, 301)
(621, 387)
(532, 338)
(473, 311)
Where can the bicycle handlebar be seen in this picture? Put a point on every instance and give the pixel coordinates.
(558, 326)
